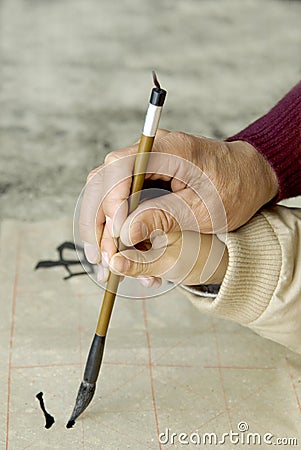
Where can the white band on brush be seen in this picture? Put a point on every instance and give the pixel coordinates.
(152, 120)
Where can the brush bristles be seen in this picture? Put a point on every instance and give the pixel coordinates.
(84, 397)
(155, 80)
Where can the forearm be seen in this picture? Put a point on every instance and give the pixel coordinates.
(277, 136)
(261, 288)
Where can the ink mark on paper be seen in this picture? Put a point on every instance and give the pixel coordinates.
(67, 263)
(48, 417)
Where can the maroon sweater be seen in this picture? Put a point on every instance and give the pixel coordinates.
(277, 136)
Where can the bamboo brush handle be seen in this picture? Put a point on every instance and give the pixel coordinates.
(141, 161)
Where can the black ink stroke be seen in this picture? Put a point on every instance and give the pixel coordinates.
(48, 417)
(66, 263)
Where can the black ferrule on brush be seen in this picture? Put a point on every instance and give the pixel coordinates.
(157, 96)
(94, 359)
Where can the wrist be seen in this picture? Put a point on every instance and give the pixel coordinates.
(271, 185)
(262, 176)
(211, 264)
(217, 261)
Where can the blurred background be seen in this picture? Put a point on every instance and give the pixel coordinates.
(75, 78)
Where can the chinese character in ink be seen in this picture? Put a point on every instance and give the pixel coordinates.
(67, 263)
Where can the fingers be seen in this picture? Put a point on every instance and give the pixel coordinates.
(132, 149)
(135, 263)
(188, 258)
(91, 219)
(108, 250)
(105, 192)
(117, 183)
(108, 244)
(121, 153)
(148, 281)
(149, 266)
(169, 213)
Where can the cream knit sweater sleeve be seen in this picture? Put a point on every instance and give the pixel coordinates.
(262, 286)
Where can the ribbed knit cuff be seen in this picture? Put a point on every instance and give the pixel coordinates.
(277, 136)
(252, 274)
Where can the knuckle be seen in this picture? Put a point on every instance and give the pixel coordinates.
(143, 268)
(95, 175)
(91, 174)
(179, 135)
(162, 132)
(163, 221)
(180, 143)
(139, 265)
(111, 157)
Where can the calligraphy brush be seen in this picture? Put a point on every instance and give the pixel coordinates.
(88, 384)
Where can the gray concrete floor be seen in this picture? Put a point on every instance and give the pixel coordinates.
(75, 79)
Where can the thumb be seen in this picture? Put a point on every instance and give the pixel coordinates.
(137, 263)
(154, 262)
(168, 213)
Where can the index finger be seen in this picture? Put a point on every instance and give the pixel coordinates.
(91, 218)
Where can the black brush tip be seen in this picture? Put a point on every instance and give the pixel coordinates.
(155, 80)
(84, 397)
(70, 424)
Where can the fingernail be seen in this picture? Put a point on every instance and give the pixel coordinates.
(91, 252)
(145, 281)
(102, 273)
(105, 259)
(138, 232)
(157, 283)
(119, 218)
(120, 264)
(109, 224)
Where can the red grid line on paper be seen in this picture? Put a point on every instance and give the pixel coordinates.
(37, 292)
(81, 359)
(153, 364)
(293, 384)
(117, 431)
(150, 364)
(46, 366)
(227, 409)
(11, 338)
(234, 407)
(295, 391)
(136, 374)
(151, 368)
(176, 344)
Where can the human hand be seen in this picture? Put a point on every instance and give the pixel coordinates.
(216, 186)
